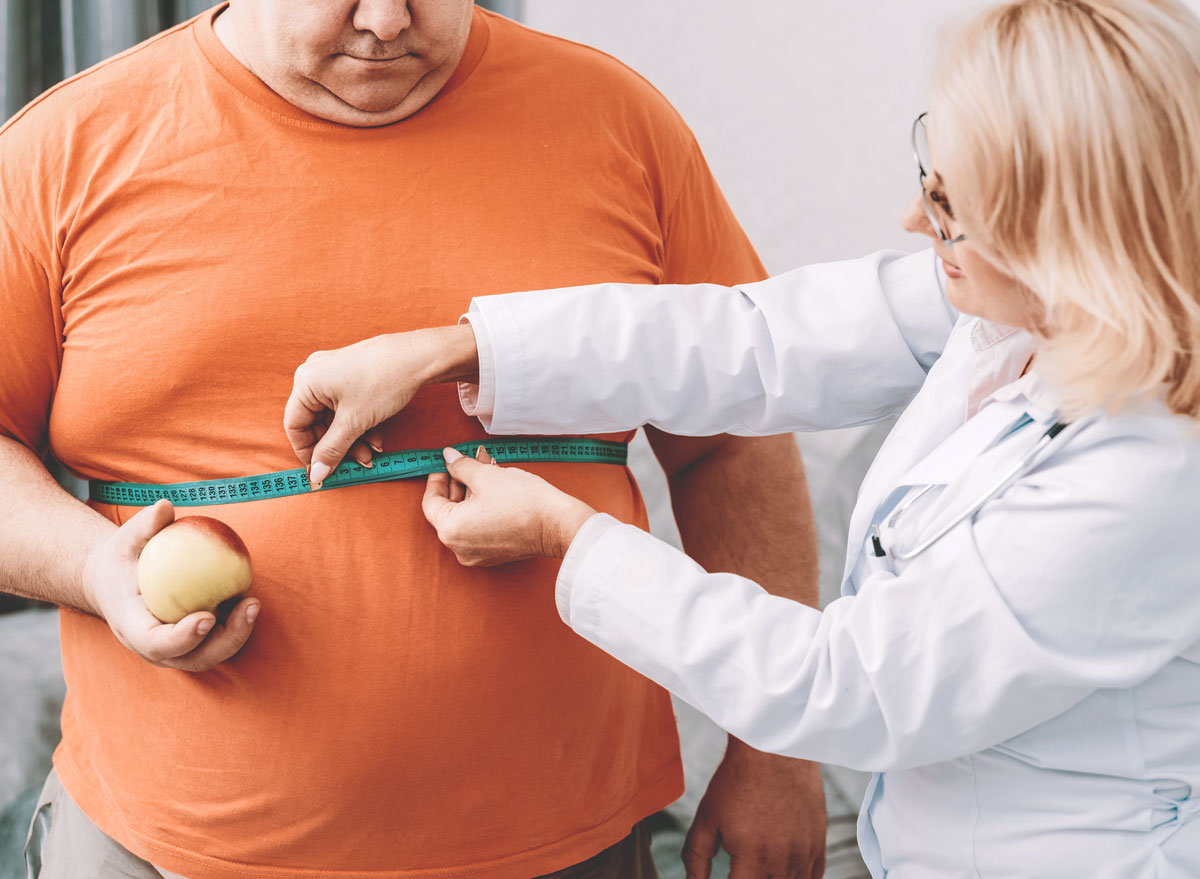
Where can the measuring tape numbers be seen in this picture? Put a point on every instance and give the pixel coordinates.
(405, 464)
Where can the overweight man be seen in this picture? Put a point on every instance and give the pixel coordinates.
(180, 227)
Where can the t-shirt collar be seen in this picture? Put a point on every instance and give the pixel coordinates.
(233, 72)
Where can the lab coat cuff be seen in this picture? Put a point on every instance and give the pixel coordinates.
(479, 400)
(925, 321)
(586, 539)
(499, 400)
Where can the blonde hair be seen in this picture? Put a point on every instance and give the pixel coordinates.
(1068, 136)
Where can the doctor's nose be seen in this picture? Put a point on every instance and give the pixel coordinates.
(914, 219)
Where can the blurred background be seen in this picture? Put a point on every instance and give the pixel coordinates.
(803, 110)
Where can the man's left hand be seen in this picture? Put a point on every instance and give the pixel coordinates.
(767, 812)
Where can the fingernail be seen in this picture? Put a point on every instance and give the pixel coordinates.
(252, 613)
(317, 473)
(204, 628)
(378, 447)
(367, 463)
(451, 454)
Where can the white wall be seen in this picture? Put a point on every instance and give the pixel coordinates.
(804, 112)
(802, 108)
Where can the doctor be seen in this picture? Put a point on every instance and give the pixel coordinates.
(1016, 654)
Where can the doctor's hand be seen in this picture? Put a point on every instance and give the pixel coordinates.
(489, 515)
(339, 397)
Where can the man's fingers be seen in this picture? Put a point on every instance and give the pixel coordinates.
(145, 524)
(699, 848)
(162, 642)
(187, 644)
(741, 868)
(225, 641)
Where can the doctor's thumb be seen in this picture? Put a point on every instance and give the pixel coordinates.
(462, 468)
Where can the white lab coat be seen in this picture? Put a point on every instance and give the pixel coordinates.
(1027, 689)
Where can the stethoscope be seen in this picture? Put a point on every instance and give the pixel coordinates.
(1016, 470)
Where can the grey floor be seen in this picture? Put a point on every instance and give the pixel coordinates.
(31, 693)
(31, 687)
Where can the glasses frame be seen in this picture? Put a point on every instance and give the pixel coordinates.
(917, 127)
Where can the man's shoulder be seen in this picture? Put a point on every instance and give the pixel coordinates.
(115, 85)
(573, 68)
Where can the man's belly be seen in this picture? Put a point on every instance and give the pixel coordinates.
(384, 687)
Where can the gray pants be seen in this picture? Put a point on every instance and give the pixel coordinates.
(63, 843)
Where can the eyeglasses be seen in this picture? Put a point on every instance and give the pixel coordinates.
(920, 145)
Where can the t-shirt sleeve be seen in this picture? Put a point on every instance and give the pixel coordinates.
(703, 241)
(30, 341)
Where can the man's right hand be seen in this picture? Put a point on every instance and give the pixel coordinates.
(339, 397)
(195, 643)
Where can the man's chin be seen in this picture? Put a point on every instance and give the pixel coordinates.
(373, 104)
(335, 108)
(375, 101)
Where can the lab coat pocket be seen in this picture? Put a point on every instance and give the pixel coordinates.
(1174, 806)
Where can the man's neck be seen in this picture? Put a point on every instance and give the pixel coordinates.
(234, 31)
(227, 34)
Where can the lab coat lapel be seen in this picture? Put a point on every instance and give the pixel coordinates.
(969, 463)
(925, 447)
(937, 411)
(958, 453)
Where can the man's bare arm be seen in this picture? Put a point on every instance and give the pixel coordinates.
(742, 506)
(64, 552)
(47, 533)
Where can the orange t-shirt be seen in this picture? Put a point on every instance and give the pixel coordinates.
(174, 240)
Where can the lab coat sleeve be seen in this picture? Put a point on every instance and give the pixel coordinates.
(824, 346)
(1082, 576)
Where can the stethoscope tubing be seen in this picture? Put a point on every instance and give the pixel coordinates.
(1027, 460)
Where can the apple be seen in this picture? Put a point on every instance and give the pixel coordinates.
(195, 563)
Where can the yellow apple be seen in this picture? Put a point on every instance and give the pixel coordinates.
(193, 564)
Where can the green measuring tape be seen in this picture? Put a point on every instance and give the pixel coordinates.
(405, 464)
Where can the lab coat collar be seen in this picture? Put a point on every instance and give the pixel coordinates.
(986, 333)
(1032, 393)
(999, 353)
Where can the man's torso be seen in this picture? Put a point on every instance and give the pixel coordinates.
(209, 238)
